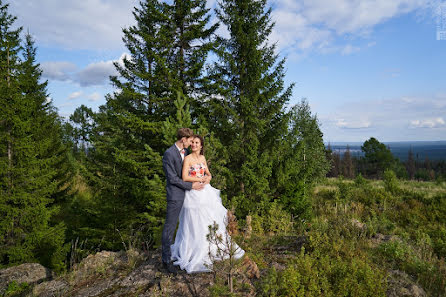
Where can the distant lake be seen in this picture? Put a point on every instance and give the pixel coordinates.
(434, 150)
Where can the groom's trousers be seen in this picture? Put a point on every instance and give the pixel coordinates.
(172, 214)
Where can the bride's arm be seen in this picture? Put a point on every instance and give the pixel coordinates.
(185, 173)
(207, 172)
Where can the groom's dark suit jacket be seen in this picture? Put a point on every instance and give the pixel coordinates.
(173, 168)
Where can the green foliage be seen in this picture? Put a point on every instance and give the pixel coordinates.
(15, 289)
(82, 120)
(33, 162)
(360, 180)
(377, 158)
(306, 275)
(248, 101)
(404, 221)
(302, 161)
(274, 219)
(390, 181)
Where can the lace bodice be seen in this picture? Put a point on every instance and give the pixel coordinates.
(197, 170)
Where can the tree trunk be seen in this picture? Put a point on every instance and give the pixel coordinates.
(9, 129)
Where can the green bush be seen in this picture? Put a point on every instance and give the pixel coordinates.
(309, 276)
(390, 182)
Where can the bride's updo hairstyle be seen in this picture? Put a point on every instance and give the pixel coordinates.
(202, 143)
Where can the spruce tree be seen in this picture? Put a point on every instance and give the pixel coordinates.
(124, 163)
(302, 160)
(31, 154)
(192, 42)
(82, 122)
(248, 105)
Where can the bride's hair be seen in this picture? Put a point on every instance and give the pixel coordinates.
(202, 143)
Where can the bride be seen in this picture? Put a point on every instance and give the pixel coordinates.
(200, 209)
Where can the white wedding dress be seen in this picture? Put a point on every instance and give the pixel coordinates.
(200, 209)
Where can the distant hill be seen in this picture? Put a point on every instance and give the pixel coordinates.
(434, 150)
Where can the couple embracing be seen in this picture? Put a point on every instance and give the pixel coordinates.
(192, 200)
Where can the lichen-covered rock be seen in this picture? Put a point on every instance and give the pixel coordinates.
(51, 288)
(30, 273)
(400, 284)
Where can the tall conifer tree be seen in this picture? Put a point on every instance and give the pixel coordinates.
(31, 154)
(301, 160)
(192, 41)
(248, 109)
(165, 59)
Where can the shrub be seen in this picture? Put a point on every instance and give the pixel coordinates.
(390, 182)
(309, 276)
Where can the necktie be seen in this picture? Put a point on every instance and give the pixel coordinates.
(182, 154)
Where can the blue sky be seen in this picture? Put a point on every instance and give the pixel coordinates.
(367, 67)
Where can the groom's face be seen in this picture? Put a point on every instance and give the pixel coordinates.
(187, 141)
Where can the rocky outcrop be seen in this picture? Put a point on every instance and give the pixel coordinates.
(131, 274)
(400, 284)
(29, 273)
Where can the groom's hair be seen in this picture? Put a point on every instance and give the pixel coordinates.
(184, 132)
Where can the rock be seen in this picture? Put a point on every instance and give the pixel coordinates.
(278, 266)
(379, 238)
(30, 273)
(51, 288)
(400, 284)
(416, 291)
(358, 224)
(141, 276)
(100, 287)
(97, 264)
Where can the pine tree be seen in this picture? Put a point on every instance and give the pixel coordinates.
(248, 106)
(302, 161)
(124, 163)
(145, 82)
(191, 46)
(31, 154)
(168, 46)
(377, 157)
(82, 120)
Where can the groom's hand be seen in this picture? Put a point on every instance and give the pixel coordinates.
(197, 186)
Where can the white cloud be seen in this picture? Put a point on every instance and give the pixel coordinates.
(94, 74)
(315, 24)
(88, 24)
(349, 49)
(428, 123)
(391, 119)
(353, 124)
(75, 95)
(94, 97)
(57, 70)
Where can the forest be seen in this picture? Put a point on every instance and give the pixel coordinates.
(94, 182)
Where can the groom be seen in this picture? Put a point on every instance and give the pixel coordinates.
(175, 188)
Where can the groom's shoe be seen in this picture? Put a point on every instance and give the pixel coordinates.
(170, 267)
